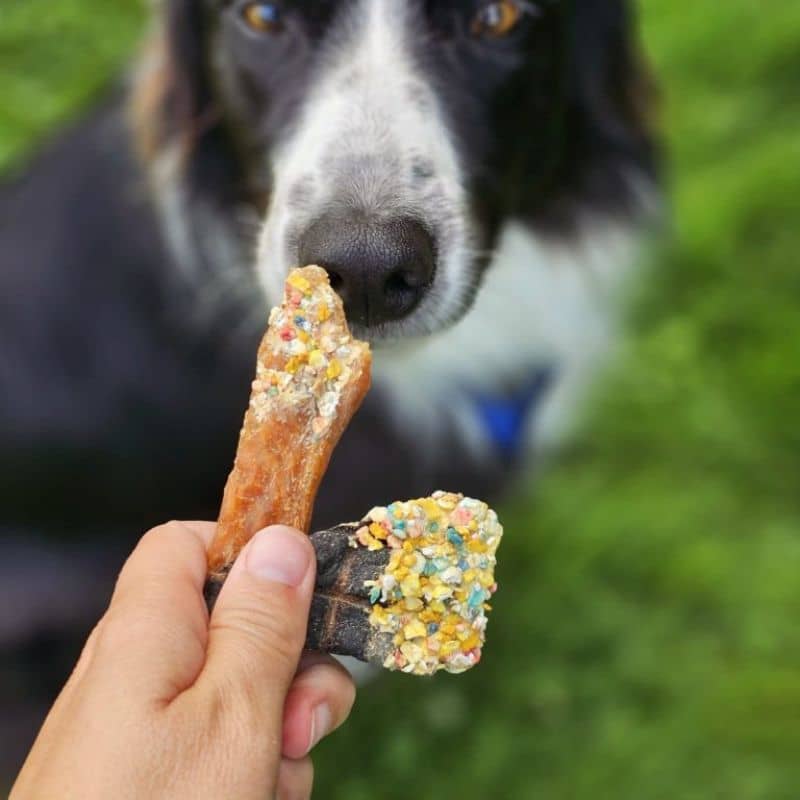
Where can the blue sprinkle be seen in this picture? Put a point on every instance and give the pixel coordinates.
(463, 565)
(454, 538)
(432, 628)
(399, 533)
(441, 563)
(299, 320)
(375, 594)
(433, 527)
(430, 568)
(391, 509)
(475, 598)
(401, 524)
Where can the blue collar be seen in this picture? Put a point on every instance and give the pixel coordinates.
(505, 416)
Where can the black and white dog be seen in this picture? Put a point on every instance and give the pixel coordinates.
(473, 175)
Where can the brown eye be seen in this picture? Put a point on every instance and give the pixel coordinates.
(497, 19)
(263, 17)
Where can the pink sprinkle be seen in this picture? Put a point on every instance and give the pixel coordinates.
(461, 516)
(287, 334)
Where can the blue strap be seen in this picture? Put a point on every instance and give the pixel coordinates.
(505, 416)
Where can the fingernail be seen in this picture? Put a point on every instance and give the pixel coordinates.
(278, 554)
(320, 724)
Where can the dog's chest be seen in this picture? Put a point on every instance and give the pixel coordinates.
(542, 323)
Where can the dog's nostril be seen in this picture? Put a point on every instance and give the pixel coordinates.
(381, 270)
(400, 295)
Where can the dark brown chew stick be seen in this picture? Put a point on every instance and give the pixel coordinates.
(338, 622)
(407, 587)
(311, 378)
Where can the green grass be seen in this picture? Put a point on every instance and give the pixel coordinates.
(645, 642)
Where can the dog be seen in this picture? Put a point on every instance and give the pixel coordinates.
(474, 176)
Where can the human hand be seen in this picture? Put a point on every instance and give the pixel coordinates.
(165, 703)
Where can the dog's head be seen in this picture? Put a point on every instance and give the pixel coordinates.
(389, 140)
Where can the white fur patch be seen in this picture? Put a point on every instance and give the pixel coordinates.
(540, 305)
(368, 116)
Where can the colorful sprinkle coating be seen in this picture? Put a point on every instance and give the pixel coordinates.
(431, 600)
(311, 351)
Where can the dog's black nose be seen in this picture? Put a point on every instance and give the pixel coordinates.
(381, 270)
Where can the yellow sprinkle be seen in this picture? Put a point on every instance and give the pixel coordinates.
(334, 369)
(414, 630)
(470, 642)
(324, 312)
(414, 604)
(476, 546)
(412, 652)
(299, 282)
(293, 364)
(303, 336)
(409, 586)
(430, 508)
(316, 358)
(441, 591)
(378, 531)
(450, 647)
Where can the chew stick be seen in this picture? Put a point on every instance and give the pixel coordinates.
(407, 587)
(312, 376)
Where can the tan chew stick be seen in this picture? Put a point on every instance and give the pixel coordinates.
(311, 377)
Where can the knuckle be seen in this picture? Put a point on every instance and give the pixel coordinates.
(156, 538)
(263, 630)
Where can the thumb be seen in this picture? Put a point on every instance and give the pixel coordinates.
(258, 626)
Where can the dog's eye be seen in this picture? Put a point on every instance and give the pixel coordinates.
(263, 17)
(500, 18)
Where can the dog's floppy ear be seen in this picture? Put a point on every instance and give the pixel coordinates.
(175, 113)
(611, 91)
(172, 100)
(604, 147)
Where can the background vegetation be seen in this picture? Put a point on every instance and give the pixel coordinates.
(645, 642)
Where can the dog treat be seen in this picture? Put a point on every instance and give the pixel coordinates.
(311, 378)
(407, 587)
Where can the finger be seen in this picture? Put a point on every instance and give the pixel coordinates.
(258, 627)
(156, 627)
(319, 701)
(295, 779)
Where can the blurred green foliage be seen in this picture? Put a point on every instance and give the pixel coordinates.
(645, 642)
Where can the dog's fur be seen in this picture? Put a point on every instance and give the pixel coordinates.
(133, 288)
